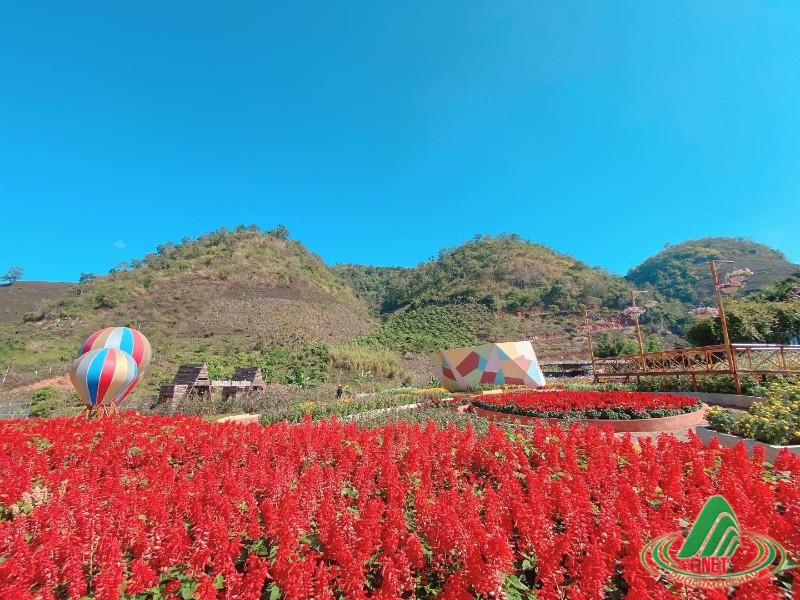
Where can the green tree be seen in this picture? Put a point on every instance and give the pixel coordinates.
(298, 377)
(653, 343)
(606, 345)
(13, 275)
(280, 232)
(750, 322)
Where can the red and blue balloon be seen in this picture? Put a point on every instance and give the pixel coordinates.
(110, 364)
(126, 339)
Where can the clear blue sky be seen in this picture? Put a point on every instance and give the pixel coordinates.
(379, 132)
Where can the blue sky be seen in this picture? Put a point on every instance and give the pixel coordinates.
(379, 132)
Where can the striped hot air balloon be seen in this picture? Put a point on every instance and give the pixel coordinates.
(101, 376)
(129, 341)
(126, 339)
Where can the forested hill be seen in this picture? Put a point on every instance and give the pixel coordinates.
(681, 271)
(507, 273)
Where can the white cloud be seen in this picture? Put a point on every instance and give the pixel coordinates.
(119, 244)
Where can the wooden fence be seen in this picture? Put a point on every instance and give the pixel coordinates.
(743, 360)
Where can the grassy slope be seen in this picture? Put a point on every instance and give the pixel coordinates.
(224, 293)
(25, 296)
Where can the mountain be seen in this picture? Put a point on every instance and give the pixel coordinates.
(496, 288)
(227, 292)
(25, 296)
(251, 297)
(682, 271)
(507, 273)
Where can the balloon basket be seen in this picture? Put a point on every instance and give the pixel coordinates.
(96, 412)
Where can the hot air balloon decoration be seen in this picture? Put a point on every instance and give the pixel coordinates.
(110, 364)
(123, 338)
(100, 377)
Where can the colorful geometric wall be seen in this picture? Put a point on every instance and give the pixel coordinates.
(508, 362)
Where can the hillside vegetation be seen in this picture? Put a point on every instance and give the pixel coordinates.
(373, 284)
(251, 297)
(21, 297)
(770, 315)
(681, 271)
(227, 292)
(507, 273)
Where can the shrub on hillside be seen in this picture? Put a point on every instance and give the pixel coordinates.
(355, 357)
(44, 401)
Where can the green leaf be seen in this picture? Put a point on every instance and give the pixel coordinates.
(188, 588)
(219, 582)
(274, 592)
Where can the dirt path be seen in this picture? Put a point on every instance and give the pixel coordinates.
(62, 382)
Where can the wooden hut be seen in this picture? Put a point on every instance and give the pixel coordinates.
(190, 379)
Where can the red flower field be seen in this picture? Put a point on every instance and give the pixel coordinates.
(176, 507)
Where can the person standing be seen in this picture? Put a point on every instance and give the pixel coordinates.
(339, 392)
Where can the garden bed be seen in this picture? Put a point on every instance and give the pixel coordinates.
(622, 410)
(729, 441)
(618, 425)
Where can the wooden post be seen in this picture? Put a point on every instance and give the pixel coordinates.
(723, 323)
(591, 347)
(8, 370)
(634, 294)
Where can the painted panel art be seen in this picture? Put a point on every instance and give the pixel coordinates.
(505, 363)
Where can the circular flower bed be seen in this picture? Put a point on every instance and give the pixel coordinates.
(569, 404)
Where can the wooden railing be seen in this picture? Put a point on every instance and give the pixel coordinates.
(748, 359)
(766, 359)
(232, 384)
